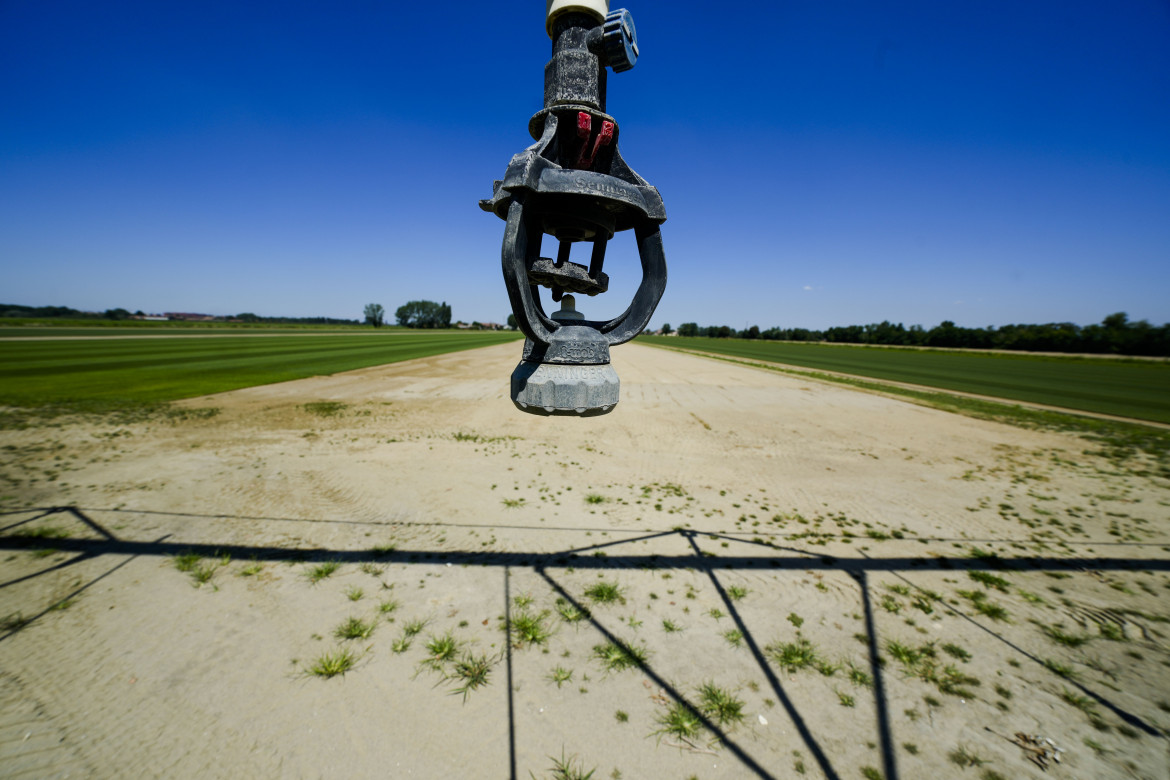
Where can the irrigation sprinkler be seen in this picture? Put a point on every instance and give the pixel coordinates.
(573, 185)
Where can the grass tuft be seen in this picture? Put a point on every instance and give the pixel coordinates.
(617, 658)
(333, 663)
(355, 628)
(605, 593)
(321, 571)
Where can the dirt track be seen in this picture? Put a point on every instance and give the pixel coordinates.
(841, 514)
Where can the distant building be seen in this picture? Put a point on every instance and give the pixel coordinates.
(189, 317)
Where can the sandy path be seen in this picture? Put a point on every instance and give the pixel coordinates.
(840, 514)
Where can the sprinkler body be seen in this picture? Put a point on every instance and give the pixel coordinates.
(572, 184)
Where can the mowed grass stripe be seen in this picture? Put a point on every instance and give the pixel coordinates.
(1137, 389)
(109, 374)
(34, 358)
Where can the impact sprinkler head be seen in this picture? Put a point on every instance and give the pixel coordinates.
(573, 185)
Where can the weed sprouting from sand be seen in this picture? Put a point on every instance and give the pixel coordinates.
(983, 605)
(1083, 703)
(186, 562)
(324, 408)
(963, 757)
(355, 628)
(734, 637)
(720, 704)
(595, 498)
(1111, 631)
(569, 612)
(193, 564)
(1057, 635)
(845, 699)
(523, 601)
(354, 593)
(826, 667)
(14, 622)
(679, 721)
(616, 658)
(333, 663)
(568, 769)
(605, 593)
(793, 656)
(471, 672)
(955, 651)
(1059, 668)
(922, 662)
(989, 580)
(716, 613)
(870, 773)
(387, 606)
(400, 645)
(859, 676)
(737, 592)
(414, 627)
(670, 627)
(252, 569)
(560, 675)
(621, 716)
(530, 629)
(440, 650)
(321, 571)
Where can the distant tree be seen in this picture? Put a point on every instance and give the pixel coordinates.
(116, 314)
(139, 313)
(424, 314)
(666, 329)
(690, 329)
(374, 314)
(751, 333)
(512, 322)
(247, 317)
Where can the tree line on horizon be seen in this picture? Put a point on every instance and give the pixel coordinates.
(1116, 334)
(119, 314)
(413, 314)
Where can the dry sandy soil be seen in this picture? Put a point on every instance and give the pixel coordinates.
(838, 564)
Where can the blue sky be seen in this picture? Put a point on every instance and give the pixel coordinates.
(822, 162)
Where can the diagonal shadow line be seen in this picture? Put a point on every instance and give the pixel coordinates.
(1124, 715)
(806, 735)
(646, 538)
(83, 556)
(17, 524)
(77, 513)
(508, 651)
(889, 758)
(734, 747)
(72, 595)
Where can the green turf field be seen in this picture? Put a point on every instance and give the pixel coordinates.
(1129, 388)
(96, 374)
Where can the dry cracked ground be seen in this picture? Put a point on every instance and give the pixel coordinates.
(737, 574)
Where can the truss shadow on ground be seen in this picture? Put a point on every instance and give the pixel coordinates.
(765, 556)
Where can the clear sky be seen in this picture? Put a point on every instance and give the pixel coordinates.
(823, 162)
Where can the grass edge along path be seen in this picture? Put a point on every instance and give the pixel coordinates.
(128, 376)
(1131, 389)
(1119, 440)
